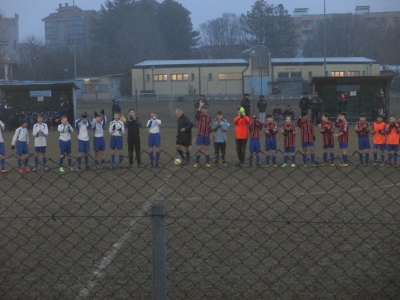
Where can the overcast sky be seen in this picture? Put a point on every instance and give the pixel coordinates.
(31, 12)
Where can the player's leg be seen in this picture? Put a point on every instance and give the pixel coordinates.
(395, 155)
(34, 169)
(178, 148)
(293, 156)
(137, 150)
(68, 151)
(96, 151)
(312, 154)
(216, 152)
(131, 147)
(375, 149)
(2, 155)
(187, 151)
(157, 147)
(361, 150)
(120, 146)
(25, 153)
(243, 150)
(150, 145)
(44, 158)
(251, 151)
(286, 156)
(223, 153)
(332, 155)
(383, 149)
(113, 147)
(304, 154)
(199, 144)
(274, 148)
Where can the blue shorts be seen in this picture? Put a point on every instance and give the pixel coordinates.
(65, 147)
(327, 146)
(99, 144)
(83, 146)
(343, 145)
(254, 145)
(22, 148)
(116, 142)
(270, 144)
(390, 147)
(307, 144)
(363, 143)
(289, 149)
(41, 149)
(381, 147)
(154, 140)
(2, 149)
(203, 140)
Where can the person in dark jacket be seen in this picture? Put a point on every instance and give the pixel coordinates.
(277, 113)
(304, 104)
(380, 101)
(65, 107)
(246, 104)
(262, 107)
(288, 112)
(5, 110)
(184, 135)
(315, 105)
(133, 124)
(115, 108)
(201, 102)
(342, 103)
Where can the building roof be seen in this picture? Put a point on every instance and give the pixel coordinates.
(320, 60)
(38, 84)
(8, 60)
(190, 63)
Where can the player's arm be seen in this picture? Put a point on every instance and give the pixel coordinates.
(45, 130)
(138, 122)
(15, 137)
(2, 125)
(111, 129)
(122, 127)
(158, 121)
(35, 131)
(236, 120)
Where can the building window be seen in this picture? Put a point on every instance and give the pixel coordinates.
(295, 75)
(192, 77)
(230, 76)
(337, 74)
(209, 76)
(179, 77)
(147, 77)
(160, 77)
(309, 74)
(283, 74)
(354, 73)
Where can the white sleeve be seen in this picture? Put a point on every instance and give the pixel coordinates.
(45, 130)
(34, 133)
(15, 137)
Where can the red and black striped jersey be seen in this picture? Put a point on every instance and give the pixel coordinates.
(203, 124)
(289, 133)
(255, 127)
(327, 129)
(362, 129)
(343, 128)
(307, 130)
(270, 129)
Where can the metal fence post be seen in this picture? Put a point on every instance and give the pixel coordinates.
(159, 253)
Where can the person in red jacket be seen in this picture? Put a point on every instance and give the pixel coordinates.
(241, 133)
(307, 137)
(289, 133)
(254, 147)
(343, 137)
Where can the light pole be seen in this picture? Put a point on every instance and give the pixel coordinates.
(152, 76)
(370, 69)
(324, 43)
(261, 65)
(73, 12)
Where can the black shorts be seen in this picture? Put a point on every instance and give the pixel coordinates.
(184, 143)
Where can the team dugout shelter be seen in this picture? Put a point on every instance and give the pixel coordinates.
(39, 95)
(360, 93)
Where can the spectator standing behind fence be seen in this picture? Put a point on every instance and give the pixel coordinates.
(246, 104)
(65, 107)
(82, 126)
(327, 128)
(184, 135)
(116, 129)
(20, 142)
(380, 101)
(201, 101)
(99, 144)
(342, 103)
(288, 112)
(392, 130)
(154, 138)
(2, 148)
(65, 130)
(315, 105)
(362, 130)
(241, 133)
(307, 137)
(5, 110)
(262, 107)
(277, 113)
(255, 127)
(220, 127)
(203, 134)
(115, 108)
(40, 132)
(289, 132)
(343, 137)
(270, 132)
(304, 104)
(133, 124)
(379, 140)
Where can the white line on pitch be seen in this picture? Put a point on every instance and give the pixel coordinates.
(110, 254)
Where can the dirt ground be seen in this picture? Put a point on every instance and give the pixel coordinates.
(248, 233)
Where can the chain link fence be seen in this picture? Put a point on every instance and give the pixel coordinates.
(231, 233)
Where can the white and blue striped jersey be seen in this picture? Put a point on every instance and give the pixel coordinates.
(98, 127)
(154, 125)
(2, 127)
(21, 135)
(82, 129)
(40, 137)
(65, 132)
(117, 128)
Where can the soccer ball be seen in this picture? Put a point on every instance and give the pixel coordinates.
(177, 162)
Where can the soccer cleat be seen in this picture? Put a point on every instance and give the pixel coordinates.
(267, 165)
(293, 165)
(46, 168)
(156, 165)
(324, 164)
(208, 165)
(313, 165)
(224, 164)
(332, 164)
(382, 164)
(87, 168)
(284, 165)
(114, 165)
(4, 171)
(239, 164)
(275, 165)
(70, 168)
(343, 165)
(196, 165)
(151, 165)
(26, 168)
(120, 165)
(103, 166)
(34, 169)
(20, 170)
(62, 169)
(95, 167)
(305, 165)
(140, 165)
